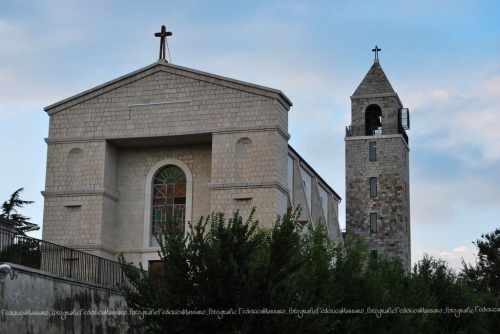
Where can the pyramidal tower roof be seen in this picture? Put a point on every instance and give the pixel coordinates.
(375, 82)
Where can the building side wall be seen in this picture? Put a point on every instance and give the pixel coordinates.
(299, 193)
(317, 212)
(333, 221)
(301, 190)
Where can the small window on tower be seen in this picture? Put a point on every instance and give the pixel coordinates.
(373, 151)
(374, 253)
(373, 222)
(373, 186)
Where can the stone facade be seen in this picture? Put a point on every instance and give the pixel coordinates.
(378, 186)
(230, 138)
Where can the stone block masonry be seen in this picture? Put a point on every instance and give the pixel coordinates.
(60, 305)
(377, 169)
(391, 204)
(230, 138)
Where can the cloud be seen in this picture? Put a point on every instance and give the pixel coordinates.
(57, 49)
(453, 257)
(456, 120)
(455, 148)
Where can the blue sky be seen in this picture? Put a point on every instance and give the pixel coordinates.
(442, 58)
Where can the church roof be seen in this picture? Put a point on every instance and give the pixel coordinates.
(170, 68)
(375, 82)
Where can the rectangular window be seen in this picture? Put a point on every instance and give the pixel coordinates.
(373, 186)
(374, 253)
(373, 222)
(373, 151)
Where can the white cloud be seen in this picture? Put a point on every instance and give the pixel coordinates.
(455, 122)
(453, 257)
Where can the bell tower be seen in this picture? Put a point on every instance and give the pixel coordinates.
(377, 168)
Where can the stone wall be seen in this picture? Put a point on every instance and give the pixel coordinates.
(26, 290)
(74, 219)
(388, 104)
(392, 201)
(324, 210)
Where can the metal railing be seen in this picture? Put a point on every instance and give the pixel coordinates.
(59, 260)
(385, 129)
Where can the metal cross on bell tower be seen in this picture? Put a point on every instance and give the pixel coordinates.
(163, 34)
(376, 50)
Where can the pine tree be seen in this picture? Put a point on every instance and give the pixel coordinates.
(9, 211)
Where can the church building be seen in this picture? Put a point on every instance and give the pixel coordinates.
(169, 138)
(377, 168)
(166, 139)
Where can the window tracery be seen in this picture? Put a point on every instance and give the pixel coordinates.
(169, 197)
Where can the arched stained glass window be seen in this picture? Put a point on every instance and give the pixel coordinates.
(169, 195)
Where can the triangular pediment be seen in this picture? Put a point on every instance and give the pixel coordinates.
(375, 82)
(162, 66)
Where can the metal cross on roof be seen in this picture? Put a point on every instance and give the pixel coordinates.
(376, 50)
(163, 34)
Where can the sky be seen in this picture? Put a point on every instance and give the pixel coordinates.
(441, 57)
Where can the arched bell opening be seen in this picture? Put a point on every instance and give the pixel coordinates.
(373, 120)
